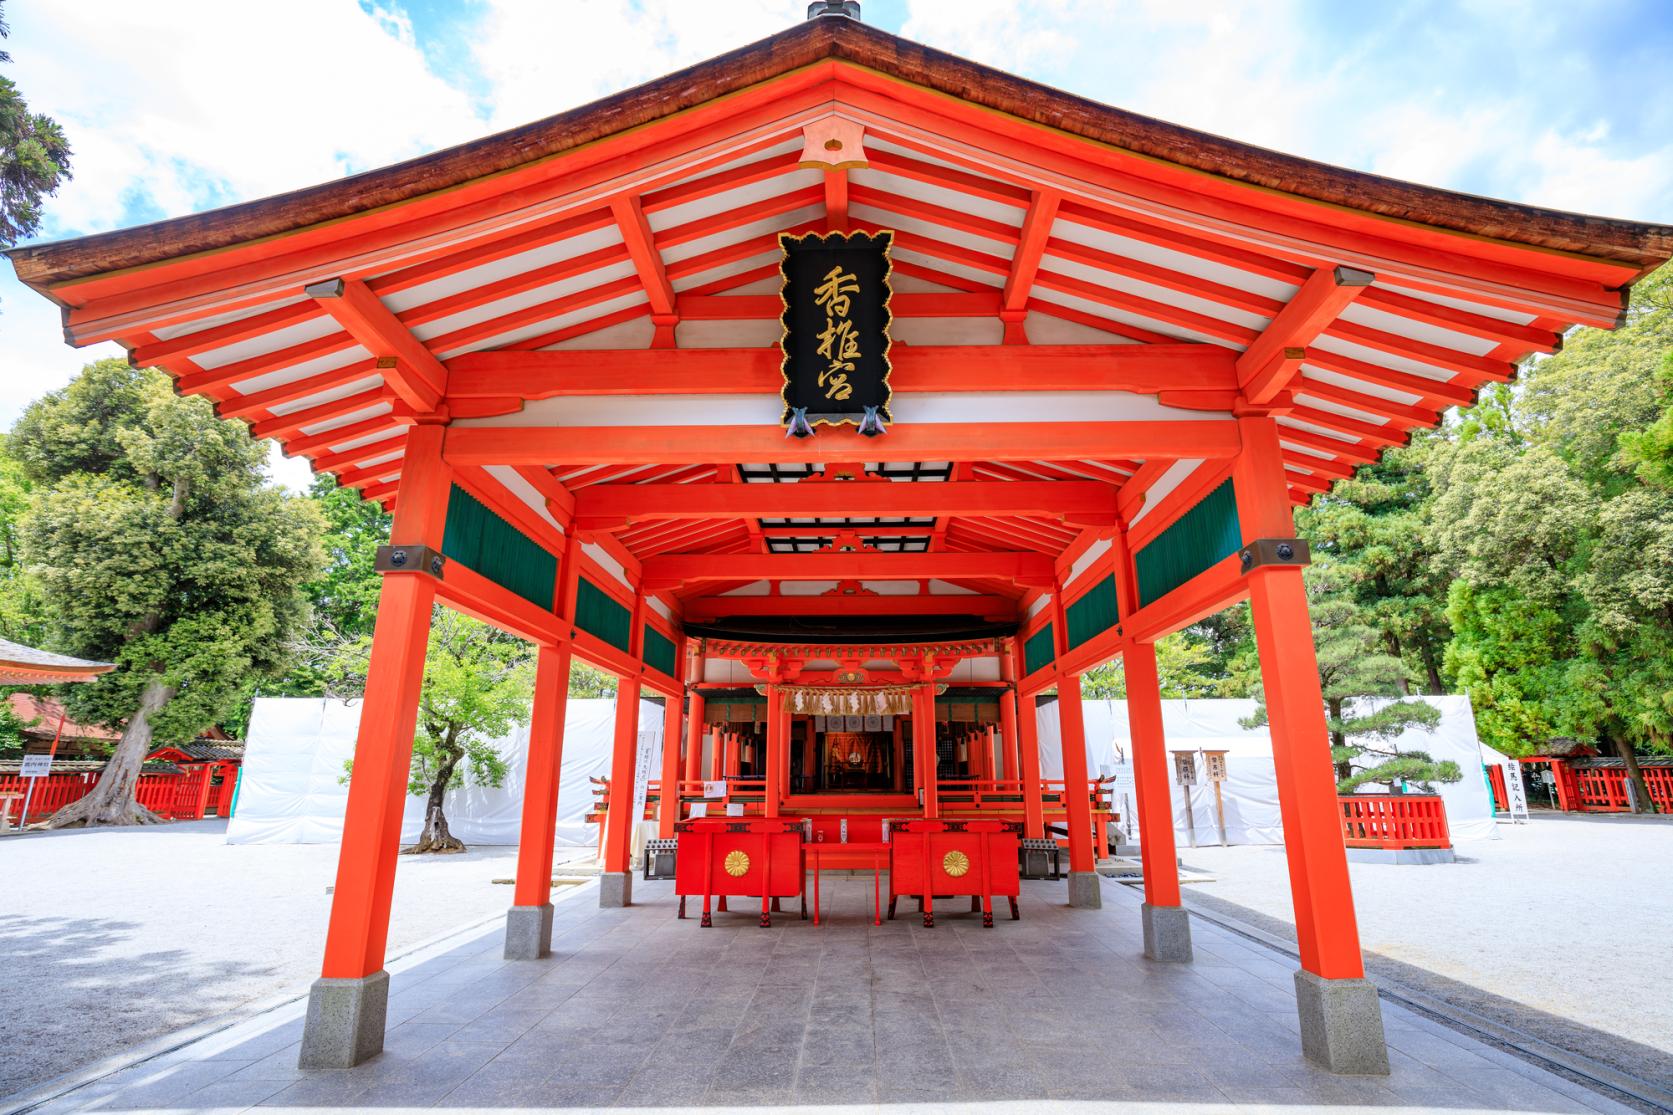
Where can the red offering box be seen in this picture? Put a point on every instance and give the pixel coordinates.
(753, 857)
(954, 858)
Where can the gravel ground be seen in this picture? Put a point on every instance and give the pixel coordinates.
(1563, 928)
(112, 937)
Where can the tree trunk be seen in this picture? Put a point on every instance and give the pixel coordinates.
(1344, 770)
(112, 800)
(435, 837)
(1635, 774)
(1432, 667)
(1394, 649)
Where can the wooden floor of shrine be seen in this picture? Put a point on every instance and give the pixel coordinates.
(636, 1009)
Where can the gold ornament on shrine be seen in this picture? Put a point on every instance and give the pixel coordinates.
(955, 864)
(736, 863)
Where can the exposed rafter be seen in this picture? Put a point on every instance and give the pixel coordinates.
(1274, 358)
(407, 367)
(1025, 264)
(647, 261)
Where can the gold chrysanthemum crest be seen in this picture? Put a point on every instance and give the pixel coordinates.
(955, 863)
(736, 863)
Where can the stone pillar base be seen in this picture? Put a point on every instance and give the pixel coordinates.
(1167, 933)
(528, 932)
(345, 1021)
(1341, 1024)
(1085, 890)
(615, 888)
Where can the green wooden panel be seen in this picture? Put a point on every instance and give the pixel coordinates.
(1039, 651)
(476, 537)
(601, 615)
(1209, 532)
(1093, 614)
(659, 651)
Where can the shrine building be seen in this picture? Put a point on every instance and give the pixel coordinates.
(851, 398)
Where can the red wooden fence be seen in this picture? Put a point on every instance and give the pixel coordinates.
(1603, 789)
(1394, 821)
(186, 796)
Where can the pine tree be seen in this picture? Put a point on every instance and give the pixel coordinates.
(1354, 669)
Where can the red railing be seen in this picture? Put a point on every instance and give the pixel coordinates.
(1394, 821)
(174, 797)
(1604, 789)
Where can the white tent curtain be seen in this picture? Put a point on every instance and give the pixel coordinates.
(293, 790)
(1251, 791)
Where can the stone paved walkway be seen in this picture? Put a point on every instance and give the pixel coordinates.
(635, 1009)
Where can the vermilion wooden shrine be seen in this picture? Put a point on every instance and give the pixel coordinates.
(1121, 353)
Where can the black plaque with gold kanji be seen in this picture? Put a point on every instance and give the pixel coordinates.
(836, 330)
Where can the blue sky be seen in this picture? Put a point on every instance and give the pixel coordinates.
(175, 106)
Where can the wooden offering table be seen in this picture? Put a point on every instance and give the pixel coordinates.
(753, 857)
(936, 858)
(872, 854)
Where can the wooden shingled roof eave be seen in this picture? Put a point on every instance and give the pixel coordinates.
(1637, 245)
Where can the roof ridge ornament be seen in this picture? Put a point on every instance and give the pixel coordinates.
(848, 8)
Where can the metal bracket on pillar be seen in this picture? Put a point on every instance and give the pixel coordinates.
(1274, 551)
(409, 559)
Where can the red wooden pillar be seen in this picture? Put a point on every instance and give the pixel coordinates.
(528, 926)
(616, 884)
(789, 742)
(346, 1006)
(1008, 733)
(1083, 874)
(668, 805)
(1028, 766)
(1341, 1021)
(1167, 929)
(898, 756)
(923, 747)
(810, 755)
(778, 748)
(694, 738)
(733, 762)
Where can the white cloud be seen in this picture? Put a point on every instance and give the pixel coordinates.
(193, 103)
(539, 59)
(1418, 95)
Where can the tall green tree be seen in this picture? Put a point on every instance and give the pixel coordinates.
(1550, 518)
(160, 547)
(22, 613)
(34, 159)
(1372, 527)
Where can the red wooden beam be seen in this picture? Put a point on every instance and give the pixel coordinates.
(670, 572)
(1145, 369)
(213, 381)
(613, 506)
(287, 425)
(836, 200)
(190, 344)
(1265, 368)
(298, 446)
(520, 445)
(243, 406)
(704, 609)
(754, 307)
(1025, 264)
(415, 375)
(647, 261)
